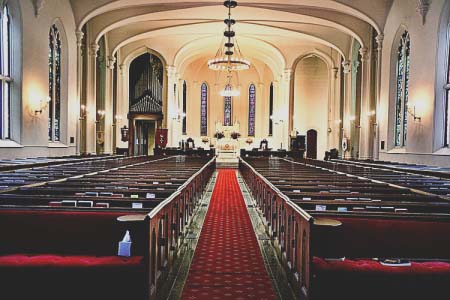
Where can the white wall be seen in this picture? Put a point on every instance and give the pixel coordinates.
(311, 98)
(33, 138)
(420, 146)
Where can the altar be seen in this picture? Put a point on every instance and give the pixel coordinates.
(227, 148)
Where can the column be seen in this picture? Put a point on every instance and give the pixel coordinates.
(81, 141)
(366, 130)
(346, 122)
(109, 116)
(284, 109)
(376, 118)
(91, 115)
(171, 105)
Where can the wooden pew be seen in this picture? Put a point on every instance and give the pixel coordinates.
(416, 232)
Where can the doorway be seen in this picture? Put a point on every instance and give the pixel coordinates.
(145, 137)
(311, 144)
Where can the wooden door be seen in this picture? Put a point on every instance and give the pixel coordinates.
(311, 144)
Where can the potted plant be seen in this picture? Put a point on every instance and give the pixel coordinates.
(235, 135)
(218, 135)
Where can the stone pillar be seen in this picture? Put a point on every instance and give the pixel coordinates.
(375, 118)
(346, 122)
(284, 108)
(91, 108)
(334, 110)
(81, 141)
(171, 105)
(109, 117)
(366, 131)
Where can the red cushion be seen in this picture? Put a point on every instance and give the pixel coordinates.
(364, 266)
(58, 261)
(367, 279)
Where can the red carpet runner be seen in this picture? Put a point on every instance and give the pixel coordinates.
(227, 262)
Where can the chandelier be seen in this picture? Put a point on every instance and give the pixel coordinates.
(229, 57)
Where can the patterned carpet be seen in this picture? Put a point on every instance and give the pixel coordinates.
(227, 263)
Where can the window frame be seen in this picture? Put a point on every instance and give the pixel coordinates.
(403, 61)
(204, 109)
(55, 84)
(5, 74)
(252, 110)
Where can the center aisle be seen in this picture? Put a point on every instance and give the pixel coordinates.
(227, 262)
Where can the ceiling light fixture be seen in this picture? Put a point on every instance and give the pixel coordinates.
(229, 57)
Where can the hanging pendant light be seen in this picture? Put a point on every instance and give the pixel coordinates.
(229, 57)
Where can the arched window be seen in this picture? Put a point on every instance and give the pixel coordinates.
(204, 109)
(271, 109)
(228, 109)
(5, 74)
(54, 85)
(447, 96)
(251, 110)
(184, 107)
(401, 101)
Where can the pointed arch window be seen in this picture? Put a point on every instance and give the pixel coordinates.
(251, 110)
(447, 95)
(184, 107)
(401, 102)
(204, 109)
(5, 74)
(271, 109)
(54, 85)
(228, 109)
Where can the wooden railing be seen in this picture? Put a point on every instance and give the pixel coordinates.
(288, 225)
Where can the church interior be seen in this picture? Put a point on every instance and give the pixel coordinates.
(213, 150)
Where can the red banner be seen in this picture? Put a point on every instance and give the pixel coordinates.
(161, 138)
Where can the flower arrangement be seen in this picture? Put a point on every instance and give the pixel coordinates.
(205, 139)
(249, 141)
(235, 135)
(218, 135)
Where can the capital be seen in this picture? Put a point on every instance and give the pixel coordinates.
(80, 35)
(364, 52)
(111, 61)
(93, 49)
(171, 71)
(379, 39)
(347, 65)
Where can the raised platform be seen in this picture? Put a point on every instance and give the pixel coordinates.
(224, 162)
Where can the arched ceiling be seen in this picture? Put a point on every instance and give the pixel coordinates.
(266, 28)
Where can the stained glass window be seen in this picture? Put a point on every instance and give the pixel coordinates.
(271, 109)
(204, 110)
(251, 110)
(54, 85)
(228, 109)
(447, 98)
(184, 107)
(402, 82)
(5, 76)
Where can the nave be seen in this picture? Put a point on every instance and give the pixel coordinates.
(335, 230)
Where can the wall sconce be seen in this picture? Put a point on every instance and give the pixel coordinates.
(179, 116)
(276, 121)
(352, 119)
(101, 114)
(371, 113)
(414, 114)
(83, 112)
(41, 106)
